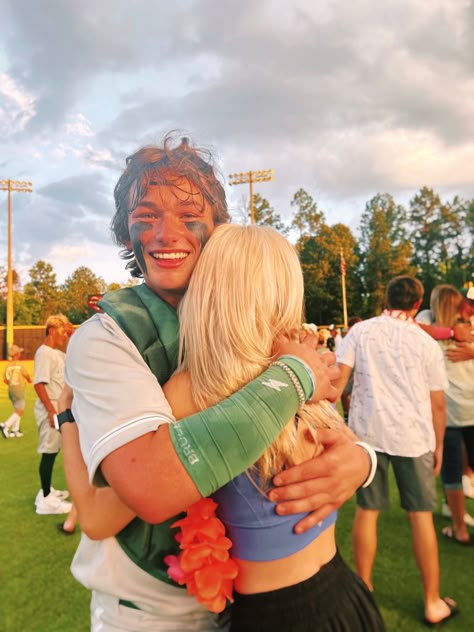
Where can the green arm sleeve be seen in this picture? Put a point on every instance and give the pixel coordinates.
(221, 442)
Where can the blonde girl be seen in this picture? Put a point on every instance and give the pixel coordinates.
(247, 288)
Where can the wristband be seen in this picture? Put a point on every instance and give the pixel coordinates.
(373, 461)
(219, 443)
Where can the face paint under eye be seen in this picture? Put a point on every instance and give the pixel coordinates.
(200, 230)
(135, 231)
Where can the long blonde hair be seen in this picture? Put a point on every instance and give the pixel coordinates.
(445, 303)
(246, 289)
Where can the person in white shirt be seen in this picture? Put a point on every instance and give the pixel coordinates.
(49, 382)
(398, 406)
(15, 376)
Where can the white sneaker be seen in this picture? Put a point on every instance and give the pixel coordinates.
(62, 494)
(4, 431)
(467, 486)
(446, 512)
(16, 433)
(53, 505)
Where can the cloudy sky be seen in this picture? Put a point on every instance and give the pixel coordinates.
(345, 99)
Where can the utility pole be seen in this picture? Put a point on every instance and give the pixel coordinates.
(265, 175)
(18, 187)
(343, 284)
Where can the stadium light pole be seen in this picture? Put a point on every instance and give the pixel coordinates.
(18, 187)
(264, 175)
(343, 284)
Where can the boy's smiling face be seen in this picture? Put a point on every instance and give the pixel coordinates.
(168, 229)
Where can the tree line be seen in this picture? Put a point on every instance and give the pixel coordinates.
(431, 239)
(42, 295)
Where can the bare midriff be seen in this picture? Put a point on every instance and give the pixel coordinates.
(255, 577)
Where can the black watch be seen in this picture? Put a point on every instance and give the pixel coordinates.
(63, 418)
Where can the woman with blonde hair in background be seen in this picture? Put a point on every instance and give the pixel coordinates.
(445, 304)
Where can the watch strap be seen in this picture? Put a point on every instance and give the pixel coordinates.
(64, 417)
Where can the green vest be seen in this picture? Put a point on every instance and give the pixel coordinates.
(152, 325)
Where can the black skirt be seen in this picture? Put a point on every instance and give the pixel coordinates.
(335, 599)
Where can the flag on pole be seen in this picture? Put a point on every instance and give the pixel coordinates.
(343, 263)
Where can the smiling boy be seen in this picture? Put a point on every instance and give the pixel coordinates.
(168, 202)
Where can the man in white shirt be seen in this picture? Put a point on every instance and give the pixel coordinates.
(48, 383)
(398, 406)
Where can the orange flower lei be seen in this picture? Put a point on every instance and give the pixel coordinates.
(204, 564)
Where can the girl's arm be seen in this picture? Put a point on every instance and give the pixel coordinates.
(101, 513)
(462, 332)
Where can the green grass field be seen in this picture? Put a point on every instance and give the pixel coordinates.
(38, 593)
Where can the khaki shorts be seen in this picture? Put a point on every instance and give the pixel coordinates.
(415, 482)
(49, 439)
(17, 398)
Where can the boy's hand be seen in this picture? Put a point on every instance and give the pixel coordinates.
(463, 332)
(462, 351)
(322, 484)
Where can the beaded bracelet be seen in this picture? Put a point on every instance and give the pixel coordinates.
(373, 461)
(294, 381)
(306, 368)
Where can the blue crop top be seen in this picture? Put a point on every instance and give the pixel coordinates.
(257, 532)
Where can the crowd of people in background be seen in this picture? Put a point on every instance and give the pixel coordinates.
(404, 385)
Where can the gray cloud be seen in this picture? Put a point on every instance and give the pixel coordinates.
(342, 99)
(84, 192)
(70, 210)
